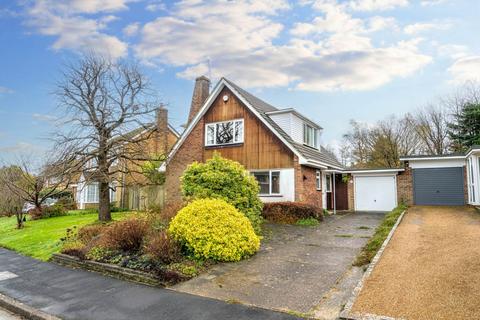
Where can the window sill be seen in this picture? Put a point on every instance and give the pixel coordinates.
(270, 195)
(221, 146)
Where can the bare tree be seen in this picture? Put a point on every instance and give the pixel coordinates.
(34, 184)
(431, 125)
(107, 107)
(359, 143)
(10, 203)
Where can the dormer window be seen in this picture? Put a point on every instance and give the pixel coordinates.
(310, 136)
(224, 133)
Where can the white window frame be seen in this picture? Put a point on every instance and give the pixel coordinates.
(328, 187)
(96, 194)
(312, 136)
(318, 180)
(270, 193)
(214, 124)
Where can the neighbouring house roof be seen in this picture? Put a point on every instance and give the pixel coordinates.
(307, 155)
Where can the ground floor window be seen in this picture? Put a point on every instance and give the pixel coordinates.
(318, 180)
(269, 181)
(92, 193)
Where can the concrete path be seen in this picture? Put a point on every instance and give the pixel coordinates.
(77, 294)
(430, 268)
(295, 267)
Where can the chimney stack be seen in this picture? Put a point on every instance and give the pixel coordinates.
(200, 94)
(162, 131)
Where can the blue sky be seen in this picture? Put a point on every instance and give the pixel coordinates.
(332, 60)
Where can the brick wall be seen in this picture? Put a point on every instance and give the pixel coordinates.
(305, 185)
(191, 150)
(351, 193)
(405, 186)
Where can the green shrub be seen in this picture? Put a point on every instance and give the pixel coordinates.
(67, 202)
(101, 254)
(74, 248)
(307, 222)
(291, 212)
(224, 179)
(214, 229)
(57, 210)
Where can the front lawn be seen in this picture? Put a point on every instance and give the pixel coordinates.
(41, 238)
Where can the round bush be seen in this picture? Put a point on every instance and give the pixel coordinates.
(214, 229)
(224, 179)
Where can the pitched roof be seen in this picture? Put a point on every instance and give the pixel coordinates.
(262, 108)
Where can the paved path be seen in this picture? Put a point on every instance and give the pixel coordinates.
(295, 267)
(77, 294)
(430, 268)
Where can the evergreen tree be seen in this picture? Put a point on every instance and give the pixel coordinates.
(465, 131)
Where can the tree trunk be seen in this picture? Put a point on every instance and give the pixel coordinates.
(104, 202)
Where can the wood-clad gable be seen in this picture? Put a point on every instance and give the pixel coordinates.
(261, 149)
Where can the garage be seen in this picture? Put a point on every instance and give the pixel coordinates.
(375, 192)
(439, 186)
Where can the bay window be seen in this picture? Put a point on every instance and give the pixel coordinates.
(224, 133)
(92, 193)
(269, 182)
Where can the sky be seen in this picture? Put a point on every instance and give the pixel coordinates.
(331, 60)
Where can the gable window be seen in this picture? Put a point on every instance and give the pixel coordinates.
(223, 133)
(328, 183)
(310, 136)
(269, 182)
(318, 180)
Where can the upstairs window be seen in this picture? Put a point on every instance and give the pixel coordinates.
(310, 136)
(269, 182)
(224, 133)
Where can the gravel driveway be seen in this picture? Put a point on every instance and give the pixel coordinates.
(430, 269)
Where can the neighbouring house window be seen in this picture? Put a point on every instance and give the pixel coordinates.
(113, 193)
(269, 182)
(318, 180)
(328, 183)
(310, 136)
(92, 193)
(222, 133)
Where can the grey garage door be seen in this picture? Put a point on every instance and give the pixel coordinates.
(438, 186)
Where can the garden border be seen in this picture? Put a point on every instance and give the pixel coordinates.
(109, 270)
(345, 314)
(23, 310)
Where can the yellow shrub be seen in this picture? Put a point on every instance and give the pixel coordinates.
(214, 229)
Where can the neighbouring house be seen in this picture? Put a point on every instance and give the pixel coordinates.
(132, 190)
(281, 148)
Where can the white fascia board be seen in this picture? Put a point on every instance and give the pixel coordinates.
(431, 158)
(472, 151)
(311, 163)
(374, 171)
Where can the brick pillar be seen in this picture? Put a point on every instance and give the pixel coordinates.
(405, 186)
(351, 193)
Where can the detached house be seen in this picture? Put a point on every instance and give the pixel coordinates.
(132, 190)
(280, 147)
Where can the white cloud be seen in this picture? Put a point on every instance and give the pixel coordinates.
(420, 27)
(334, 51)
(156, 6)
(428, 3)
(68, 21)
(43, 117)
(376, 5)
(5, 90)
(465, 69)
(131, 29)
(20, 147)
(454, 51)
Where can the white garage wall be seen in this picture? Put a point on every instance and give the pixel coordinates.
(437, 163)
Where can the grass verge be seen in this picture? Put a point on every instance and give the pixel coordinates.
(381, 233)
(41, 238)
(308, 222)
